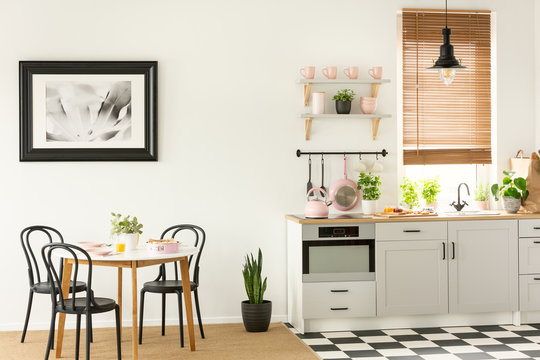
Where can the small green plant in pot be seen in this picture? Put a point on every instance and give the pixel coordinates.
(343, 100)
(256, 312)
(409, 193)
(481, 196)
(430, 189)
(126, 230)
(369, 185)
(513, 191)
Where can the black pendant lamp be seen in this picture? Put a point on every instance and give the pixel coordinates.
(447, 64)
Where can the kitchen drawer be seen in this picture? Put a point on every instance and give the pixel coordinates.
(529, 292)
(339, 299)
(529, 228)
(529, 256)
(411, 230)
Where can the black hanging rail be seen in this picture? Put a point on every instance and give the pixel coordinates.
(323, 153)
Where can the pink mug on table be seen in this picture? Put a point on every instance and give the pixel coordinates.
(308, 72)
(375, 72)
(330, 72)
(351, 72)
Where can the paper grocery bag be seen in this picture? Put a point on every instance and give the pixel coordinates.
(520, 164)
(532, 204)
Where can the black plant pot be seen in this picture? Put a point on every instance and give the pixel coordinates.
(256, 317)
(343, 107)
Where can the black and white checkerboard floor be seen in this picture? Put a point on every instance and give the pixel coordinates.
(460, 343)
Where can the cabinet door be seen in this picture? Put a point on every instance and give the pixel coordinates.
(483, 266)
(411, 277)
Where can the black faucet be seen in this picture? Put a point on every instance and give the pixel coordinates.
(459, 206)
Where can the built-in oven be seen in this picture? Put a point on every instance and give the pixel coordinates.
(338, 252)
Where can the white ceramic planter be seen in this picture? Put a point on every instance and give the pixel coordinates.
(369, 207)
(511, 205)
(129, 239)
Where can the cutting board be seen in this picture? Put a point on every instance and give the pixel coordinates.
(402, 215)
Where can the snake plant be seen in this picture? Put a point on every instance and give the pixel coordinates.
(255, 288)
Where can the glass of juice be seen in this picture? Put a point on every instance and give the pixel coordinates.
(120, 245)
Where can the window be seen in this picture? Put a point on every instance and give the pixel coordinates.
(446, 124)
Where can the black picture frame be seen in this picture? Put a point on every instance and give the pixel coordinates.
(29, 152)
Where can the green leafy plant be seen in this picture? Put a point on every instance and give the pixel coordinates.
(514, 187)
(430, 189)
(481, 193)
(344, 95)
(125, 225)
(409, 193)
(255, 288)
(369, 184)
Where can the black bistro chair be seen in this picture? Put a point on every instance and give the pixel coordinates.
(87, 305)
(33, 234)
(163, 286)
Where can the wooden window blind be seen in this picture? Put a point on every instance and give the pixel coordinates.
(446, 124)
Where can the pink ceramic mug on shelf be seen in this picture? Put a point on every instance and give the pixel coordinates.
(351, 72)
(308, 72)
(330, 72)
(375, 72)
(368, 105)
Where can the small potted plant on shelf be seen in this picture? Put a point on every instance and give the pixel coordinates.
(409, 193)
(430, 189)
(343, 100)
(126, 230)
(513, 192)
(369, 184)
(481, 196)
(256, 312)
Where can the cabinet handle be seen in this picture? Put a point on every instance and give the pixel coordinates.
(453, 250)
(339, 291)
(536, 242)
(536, 278)
(411, 231)
(536, 228)
(343, 308)
(443, 251)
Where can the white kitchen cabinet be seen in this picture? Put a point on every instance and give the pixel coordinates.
(529, 299)
(411, 276)
(529, 255)
(483, 266)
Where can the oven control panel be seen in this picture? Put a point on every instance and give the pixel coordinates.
(338, 231)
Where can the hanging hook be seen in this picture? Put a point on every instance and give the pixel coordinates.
(376, 156)
(360, 156)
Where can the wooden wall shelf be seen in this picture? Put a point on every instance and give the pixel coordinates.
(375, 120)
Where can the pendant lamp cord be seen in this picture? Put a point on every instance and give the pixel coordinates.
(446, 11)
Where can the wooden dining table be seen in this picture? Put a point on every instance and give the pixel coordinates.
(133, 260)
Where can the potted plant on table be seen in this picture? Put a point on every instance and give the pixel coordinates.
(481, 197)
(409, 194)
(343, 100)
(256, 312)
(126, 230)
(369, 184)
(513, 192)
(430, 189)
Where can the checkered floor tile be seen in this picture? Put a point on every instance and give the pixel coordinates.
(458, 343)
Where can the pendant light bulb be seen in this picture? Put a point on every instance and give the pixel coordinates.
(447, 75)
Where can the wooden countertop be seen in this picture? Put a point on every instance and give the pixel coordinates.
(502, 216)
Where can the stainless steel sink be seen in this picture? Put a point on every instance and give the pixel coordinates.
(470, 213)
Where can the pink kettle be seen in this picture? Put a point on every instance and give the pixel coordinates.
(317, 208)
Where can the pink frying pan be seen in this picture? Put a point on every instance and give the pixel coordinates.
(344, 192)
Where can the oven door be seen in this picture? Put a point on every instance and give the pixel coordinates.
(338, 260)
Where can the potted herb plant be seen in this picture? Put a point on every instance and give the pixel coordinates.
(513, 192)
(481, 196)
(409, 194)
(126, 230)
(343, 100)
(430, 189)
(256, 312)
(369, 184)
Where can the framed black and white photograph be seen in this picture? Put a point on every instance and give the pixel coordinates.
(88, 111)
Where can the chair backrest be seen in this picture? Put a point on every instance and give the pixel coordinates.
(55, 277)
(198, 242)
(34, 233)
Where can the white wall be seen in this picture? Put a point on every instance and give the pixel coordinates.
(227, 126)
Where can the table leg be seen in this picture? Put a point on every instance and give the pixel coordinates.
(120, 297)
(134, 342)
(66, 277)
(186, 285)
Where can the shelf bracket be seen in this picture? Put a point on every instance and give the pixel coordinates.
(375, 89)
(375, 127)
(307, 127)
(307, 93)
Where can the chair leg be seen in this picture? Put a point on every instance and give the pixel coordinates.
(162, 314)
(181, 318)
(141, 316)
(118, 340)
(51, 337)
(197, 308)
(91, 330)
(28, 309)
(88, 325)
(78, 336)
